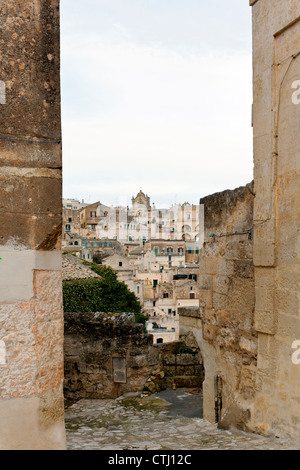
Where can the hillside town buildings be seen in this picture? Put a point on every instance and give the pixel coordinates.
(146, 247)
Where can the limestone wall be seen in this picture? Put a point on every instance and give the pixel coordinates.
(31, 322)
(94, 344)
(107, 355)
(276, 118)
(226, 282)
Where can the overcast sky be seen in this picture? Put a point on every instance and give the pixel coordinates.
(156, 95)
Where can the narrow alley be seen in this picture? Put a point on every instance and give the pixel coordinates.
(169, 420)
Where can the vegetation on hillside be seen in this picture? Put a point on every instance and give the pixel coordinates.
(105, 294)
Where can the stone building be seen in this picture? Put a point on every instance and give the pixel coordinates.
(31, 320)
(276, 249)
(249, 268)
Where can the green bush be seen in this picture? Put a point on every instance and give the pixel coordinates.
(105, 294)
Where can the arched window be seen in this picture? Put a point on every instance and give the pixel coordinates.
(159, 340)
(169, 249)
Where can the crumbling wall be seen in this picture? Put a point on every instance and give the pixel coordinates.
(93, 344)
(31, 322)
(226, 278)
(107, 355)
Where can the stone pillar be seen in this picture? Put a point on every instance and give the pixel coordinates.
(31, 320)
(276, 120)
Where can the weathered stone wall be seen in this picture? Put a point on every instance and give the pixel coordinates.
(276, 118)
(107, 355)
(31, 321)
(226, 278)
(92, 341)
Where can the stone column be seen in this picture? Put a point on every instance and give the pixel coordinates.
(31, 320)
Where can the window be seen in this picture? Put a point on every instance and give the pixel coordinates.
(169, 310)
(180, 250)
(68, 228)
(159, 340)
(155, 282)
(110, 244)
(93, 213)
(192, 295)
(137, 289)
(166, 295)
(69, 219)
(120, 264)
(170, 249)
(154, 303)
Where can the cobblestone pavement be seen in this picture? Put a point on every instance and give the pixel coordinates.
(132, 423)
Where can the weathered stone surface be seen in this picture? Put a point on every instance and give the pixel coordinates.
(31, 321)
(227, 297)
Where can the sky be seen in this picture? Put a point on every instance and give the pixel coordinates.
(156, 95)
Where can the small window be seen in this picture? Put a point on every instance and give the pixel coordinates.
(192, 295)
(166, 295)
(159, 340)
(68, 228)
(120, 264)
(155, 282)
